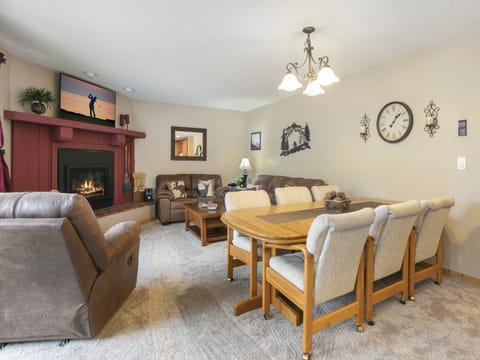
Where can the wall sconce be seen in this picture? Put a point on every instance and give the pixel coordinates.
(124, 120)
(365, 127)
(431, 118)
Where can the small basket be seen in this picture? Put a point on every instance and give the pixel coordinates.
(337, 205)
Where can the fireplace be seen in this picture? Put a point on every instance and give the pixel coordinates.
(88, 173)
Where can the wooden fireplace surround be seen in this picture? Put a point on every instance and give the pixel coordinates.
(37, 138)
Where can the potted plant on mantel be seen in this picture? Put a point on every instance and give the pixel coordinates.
(40, 99)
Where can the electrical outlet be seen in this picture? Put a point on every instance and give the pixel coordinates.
(461, 163)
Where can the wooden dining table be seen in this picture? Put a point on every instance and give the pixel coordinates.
(286, 225)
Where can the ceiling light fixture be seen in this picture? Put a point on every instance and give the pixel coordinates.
(315, 81)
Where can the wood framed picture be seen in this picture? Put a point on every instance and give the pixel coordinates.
(256, 141)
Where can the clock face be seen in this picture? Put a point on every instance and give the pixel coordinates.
(394, 121)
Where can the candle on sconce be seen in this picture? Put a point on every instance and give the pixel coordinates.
(363, 130)
(127, 119)
(429, 121)
(122, 120)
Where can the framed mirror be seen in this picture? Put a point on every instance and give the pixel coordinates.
(188, 143)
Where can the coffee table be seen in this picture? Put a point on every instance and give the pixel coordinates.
(204, 223)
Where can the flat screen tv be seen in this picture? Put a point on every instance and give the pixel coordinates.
(83, 101)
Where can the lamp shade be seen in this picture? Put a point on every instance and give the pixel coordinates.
(245, 164)
(313, 88)
(326, 76)
(290, 83)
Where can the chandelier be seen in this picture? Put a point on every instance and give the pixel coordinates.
(315, 81)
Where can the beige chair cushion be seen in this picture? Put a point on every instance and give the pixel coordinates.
(390, 232)
(429, 225)
(292, 195)
(319, 192)
(244, 200)
(336, 242)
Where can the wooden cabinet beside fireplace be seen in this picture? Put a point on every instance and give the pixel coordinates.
(37, 139)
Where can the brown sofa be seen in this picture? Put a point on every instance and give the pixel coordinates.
(61, 277)
(169, 208)
(270, 182)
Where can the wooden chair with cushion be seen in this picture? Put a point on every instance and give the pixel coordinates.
(319, 191)
(387, 252)
(427, 243)
(292, 195)
(241, 249)
(329, 265)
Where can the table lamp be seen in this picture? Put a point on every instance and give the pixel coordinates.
(245, 165)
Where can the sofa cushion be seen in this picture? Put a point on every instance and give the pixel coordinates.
(177, 187)
(196, 177)
(206, 188)
(162, 180)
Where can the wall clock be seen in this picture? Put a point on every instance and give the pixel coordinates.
(394, 122)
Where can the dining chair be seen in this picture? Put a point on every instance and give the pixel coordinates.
(292, 195)
(387, 252)
(330, 264)
(241, 249)
(319, 191)
(427, 242)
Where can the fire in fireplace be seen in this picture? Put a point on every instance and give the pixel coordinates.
(87, 172)
(89, 182)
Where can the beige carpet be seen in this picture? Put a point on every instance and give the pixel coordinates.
(182, 309)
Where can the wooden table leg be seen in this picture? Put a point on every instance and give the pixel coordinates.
(203, 232)
(249, 304)
(187, 220)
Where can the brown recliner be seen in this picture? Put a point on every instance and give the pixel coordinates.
(61, 277)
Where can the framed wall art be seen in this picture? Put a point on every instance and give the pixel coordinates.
(256, 141)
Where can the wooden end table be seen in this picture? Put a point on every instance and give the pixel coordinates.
(204, 223)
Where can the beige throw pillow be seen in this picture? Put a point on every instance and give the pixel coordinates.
(177, 188)
(206, 187)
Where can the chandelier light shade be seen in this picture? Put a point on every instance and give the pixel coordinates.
(324, 75)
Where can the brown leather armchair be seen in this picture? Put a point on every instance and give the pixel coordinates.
(61, 277)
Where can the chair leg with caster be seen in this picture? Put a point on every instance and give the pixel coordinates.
(306, 356)
(64, 342)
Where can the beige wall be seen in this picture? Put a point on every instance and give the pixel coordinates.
(417, 168)
(227, 140)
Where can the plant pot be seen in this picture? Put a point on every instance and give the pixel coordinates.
(38, 107)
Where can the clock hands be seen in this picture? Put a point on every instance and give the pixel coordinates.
(396, 117)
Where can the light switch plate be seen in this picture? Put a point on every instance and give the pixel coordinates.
(461, 163)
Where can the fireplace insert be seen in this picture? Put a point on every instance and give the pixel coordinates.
(88, 173)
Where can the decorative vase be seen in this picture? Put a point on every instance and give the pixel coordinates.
(38, 107)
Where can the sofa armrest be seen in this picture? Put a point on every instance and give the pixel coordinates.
(121, 237)
(221, 191)
(164, 194)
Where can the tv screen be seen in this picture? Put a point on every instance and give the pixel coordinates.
(84, 101)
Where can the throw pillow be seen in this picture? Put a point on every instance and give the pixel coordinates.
(205, 187)
(177, 188)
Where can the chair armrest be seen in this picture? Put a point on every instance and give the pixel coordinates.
(121, 237)
(164, 194)
(293, 247)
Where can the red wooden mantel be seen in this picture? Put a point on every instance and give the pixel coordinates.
(37, 138)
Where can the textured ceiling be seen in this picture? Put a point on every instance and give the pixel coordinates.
(219, 53)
